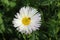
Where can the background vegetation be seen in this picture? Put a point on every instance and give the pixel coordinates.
(50, 27)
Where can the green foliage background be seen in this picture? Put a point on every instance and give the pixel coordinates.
(50, 27)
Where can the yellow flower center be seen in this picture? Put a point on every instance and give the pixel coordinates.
(26, 20)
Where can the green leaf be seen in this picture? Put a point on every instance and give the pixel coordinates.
(5, 2)
(58, 14)
(46, 2)
(12, 4)
(2, 28)
(8, 3)
(53, 28)
(58, 3)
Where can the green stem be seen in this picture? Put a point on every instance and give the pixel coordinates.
(24, 36)
(49, 38)
(3, 37)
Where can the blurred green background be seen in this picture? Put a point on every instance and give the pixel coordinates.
(50, 27)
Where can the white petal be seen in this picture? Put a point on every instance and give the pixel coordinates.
(18, 16)
(24, 11)
(32, 12)
(16, 22)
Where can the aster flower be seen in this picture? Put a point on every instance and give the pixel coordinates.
(27, 20)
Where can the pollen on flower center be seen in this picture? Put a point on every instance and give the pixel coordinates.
(26, 20)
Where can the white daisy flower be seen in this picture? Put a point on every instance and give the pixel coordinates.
(27, 20)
